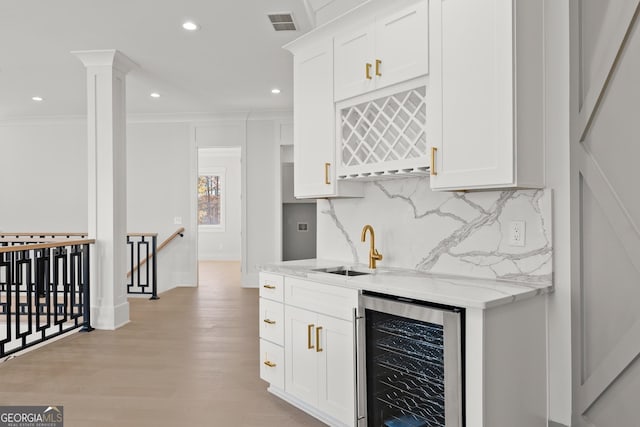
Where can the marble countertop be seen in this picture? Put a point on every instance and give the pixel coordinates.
(442, 289)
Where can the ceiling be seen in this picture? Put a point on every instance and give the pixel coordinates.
(230, 64)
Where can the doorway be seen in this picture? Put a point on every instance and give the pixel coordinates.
(219, 204)
(298, 220)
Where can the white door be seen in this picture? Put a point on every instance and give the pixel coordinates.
(605, 210)
(470, 104)
(336, 375)
(301, 378)
(352, 52)
(314, 122)
(402, 45)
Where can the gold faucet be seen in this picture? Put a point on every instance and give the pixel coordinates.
(374, 255)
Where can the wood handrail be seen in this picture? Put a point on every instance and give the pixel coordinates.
(178, 232)
(42, 235)
(141, 234)
(57, 244)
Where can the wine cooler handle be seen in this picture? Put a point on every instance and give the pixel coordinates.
(358, 361)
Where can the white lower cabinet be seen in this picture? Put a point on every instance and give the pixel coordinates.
(272, 363)
(300, 352)
(319, 358)
(336, 384)
(307, 347)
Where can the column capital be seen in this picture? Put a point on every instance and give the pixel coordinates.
(106, 58)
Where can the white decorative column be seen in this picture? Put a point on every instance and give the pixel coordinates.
(106, 125)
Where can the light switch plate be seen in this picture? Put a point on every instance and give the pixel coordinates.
(517, 233)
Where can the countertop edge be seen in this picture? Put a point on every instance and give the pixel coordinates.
(524, 291)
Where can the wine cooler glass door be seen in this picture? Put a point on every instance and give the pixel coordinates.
(409, 365)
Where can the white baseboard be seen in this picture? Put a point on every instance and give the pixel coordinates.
(184, 285)
(219, 257)
(305, 407)
(555, 424)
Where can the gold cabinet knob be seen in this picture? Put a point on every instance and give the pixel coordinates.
(269, 321)
(269, 364)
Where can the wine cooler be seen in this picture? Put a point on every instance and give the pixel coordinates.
(409, 363)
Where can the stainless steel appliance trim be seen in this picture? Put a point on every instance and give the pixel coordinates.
(403, 309)
(452, 369)
(361, 368)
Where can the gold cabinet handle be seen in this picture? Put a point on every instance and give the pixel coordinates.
(269, 321)
(327, 181)
(309, 328)
(378, 63)
(367, 71)
(269, 287)
(433, 161)
(318, 348)
(269, 364)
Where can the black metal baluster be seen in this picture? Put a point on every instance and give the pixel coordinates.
(154, 268)
(130, 280)
(86, 296)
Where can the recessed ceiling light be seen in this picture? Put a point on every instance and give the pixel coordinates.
(38, 98)
(154, 95)
(190, 26)
(276, 91)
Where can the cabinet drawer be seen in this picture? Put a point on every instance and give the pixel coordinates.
(272, 364)
(271, 286)
(272, 321)
(325, 299)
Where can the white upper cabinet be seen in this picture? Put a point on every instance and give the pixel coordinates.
(353, 52)
(313, 121)
(389, 49)
(314, 124)
(402, 45)
(486, 105)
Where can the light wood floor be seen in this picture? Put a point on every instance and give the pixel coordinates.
(188, 359)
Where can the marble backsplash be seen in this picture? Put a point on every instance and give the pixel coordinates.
(441, 232)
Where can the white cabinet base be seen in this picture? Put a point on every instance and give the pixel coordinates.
(305, 407)
(506, 365)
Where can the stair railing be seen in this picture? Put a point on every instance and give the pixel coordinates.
(142, 249)
(44, 290)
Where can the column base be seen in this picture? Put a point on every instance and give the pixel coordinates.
(110, 317)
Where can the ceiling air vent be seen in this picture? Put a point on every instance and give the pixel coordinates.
(282, 21)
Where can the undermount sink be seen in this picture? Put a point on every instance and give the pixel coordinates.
(343, 271)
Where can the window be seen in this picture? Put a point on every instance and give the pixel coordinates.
(211, 201)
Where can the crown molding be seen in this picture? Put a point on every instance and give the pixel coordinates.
(155, 118)
(106, 58)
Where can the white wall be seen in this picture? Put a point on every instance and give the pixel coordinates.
(158, 191)
(223, 243)
(263, 197)
(334, 8)
(260, 139)
(52, 155)
(43, 177)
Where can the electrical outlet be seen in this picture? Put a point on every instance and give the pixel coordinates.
(177, 220)
(517, 233)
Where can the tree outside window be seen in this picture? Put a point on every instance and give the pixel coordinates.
(210, 200)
